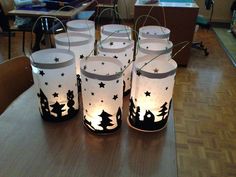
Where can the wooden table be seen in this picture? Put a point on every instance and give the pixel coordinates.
(31, 147)
(180, 19)
(60, 14)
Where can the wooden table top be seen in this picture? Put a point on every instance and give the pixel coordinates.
(31, 147)
(60, 14)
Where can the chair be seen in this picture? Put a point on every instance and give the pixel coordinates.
(106, 5)
(15, 78)
(206, 24)
(8, 5)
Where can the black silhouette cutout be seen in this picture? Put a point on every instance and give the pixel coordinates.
(167, 88)
(118, 117)
(56, 59)
(55, 94)
(81, 56)
(78, 82)
(132, 109)
(115, 97)
(147, 93)
(41, 72)
(44, 104)
(62, 74)
(105, 120)
(88, 124)
(57, 108)
(111, 43)
(101, 85)
(115, 57)
(71, 102)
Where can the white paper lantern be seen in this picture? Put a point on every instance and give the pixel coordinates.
(116, 31)
(82, 26)
(154, 47)
(122, 50)
(55, 83)
(79, 43)
(102, 94)
(151, 93)
(158, 32)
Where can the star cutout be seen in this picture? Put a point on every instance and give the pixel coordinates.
(55, 94)
(90, 104)
(59, 86)
(41, 72)
(103, 63)
(166, 88)
(147, 93)
(102, 85)
(92, 93)
(115, 97)
(85, 67)
(102, 101)
(147, 47)
(111, 43)
(56, 59)
(46, 83)
(135, 99)
(117, 81)
(156, 70)
(138, 73)
(125, 55)
(104, 55)
(81, 56)
(115, 57)
(128, 61)
(62, 74)
(86, 79)
(124, 43)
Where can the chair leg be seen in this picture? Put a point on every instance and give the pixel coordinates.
(9, 44)
(200, 46)
(23, 42)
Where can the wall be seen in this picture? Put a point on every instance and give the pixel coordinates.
(221, 9)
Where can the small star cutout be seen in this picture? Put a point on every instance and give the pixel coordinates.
(92, 93)
(84, 89)
(115, 57)
(81, 56)
(102, 85)
(166, 88)
(56, 59)
(127, 78)
(41, 72)
(147, 32)
(117, 81)
(115, 97)
(124, 43)
(155, 70)
(46, 83)
(86, 79)
(104, 55)
(135, 99)
(102, 101)
(94, 70)
(138, 73)
(59, 86)
(125, 55)
(103, 63)
(55, 94)
(128, 61)
(147, 93)
(90, 104)
(147, 47)
(86, 110)
(62, 74)
(124, 66)
(111, 43)
(85, 67)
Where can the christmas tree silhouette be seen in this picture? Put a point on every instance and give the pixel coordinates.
(44, 105)
(105, 120)
(88, 124)
(163, 111)
(79, 82)
(71, 102)
(57, 108)
(131, 109)
(124, 85)
(118, 117)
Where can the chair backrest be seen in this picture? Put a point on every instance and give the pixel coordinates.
(15, 78)
(7, 5)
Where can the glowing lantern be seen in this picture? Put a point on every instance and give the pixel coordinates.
(116, 31)
(151, 93)
(55, 83)
(122, 50)
(158, 32)
(102, 94)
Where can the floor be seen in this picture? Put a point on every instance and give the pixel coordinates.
(204, 110)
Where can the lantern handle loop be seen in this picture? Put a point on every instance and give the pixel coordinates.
(51, 17)
(180, 43)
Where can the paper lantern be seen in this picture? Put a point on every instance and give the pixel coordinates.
(116, 31)
(154, 47)
(82, 26)
(122, 50)
(79, 43)
(158, 32)
(55, 83)
(102, 94)
(151, 93)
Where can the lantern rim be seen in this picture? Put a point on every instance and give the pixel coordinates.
(108, 30)
(52, 65)
(167, 43)
(139, 67)
(101, 48)
(59, 39)
(103, 77)
(163, 32)
(74, 25)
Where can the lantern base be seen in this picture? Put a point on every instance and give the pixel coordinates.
(161, 125)
(51, 118)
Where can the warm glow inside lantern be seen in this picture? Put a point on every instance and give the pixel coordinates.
(122, 50)
(79, 43)
(158, 32)
(151, 93)
(55, 83)
(82, 26)
(154, 47)
(116, 31)
(102, 94)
